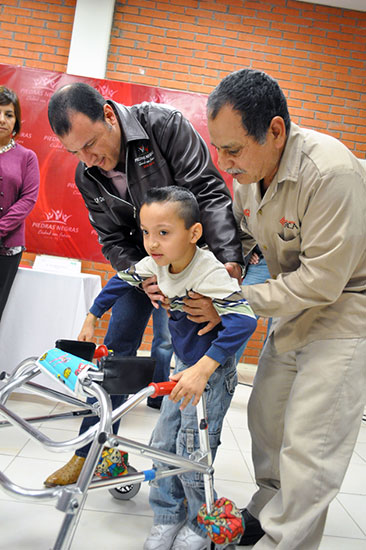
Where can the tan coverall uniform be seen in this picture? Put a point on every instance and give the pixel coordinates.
(309, 391)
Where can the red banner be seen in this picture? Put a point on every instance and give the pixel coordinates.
(59, 224)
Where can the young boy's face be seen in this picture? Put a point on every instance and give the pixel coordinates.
(166, 238)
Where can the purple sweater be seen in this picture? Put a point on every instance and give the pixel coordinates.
(19, 184)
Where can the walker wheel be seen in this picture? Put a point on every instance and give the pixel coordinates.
(126, 492)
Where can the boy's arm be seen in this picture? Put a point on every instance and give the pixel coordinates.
(107, 297)
(238, 323)
(114, 289)
(87, 330)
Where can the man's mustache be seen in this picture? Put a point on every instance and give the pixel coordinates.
(233, 172)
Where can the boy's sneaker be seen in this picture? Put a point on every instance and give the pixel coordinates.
(162, 536)
(189, 540)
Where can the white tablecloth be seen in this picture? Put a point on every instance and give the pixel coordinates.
(41, 308)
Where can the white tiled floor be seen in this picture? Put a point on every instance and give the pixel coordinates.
(109, 524)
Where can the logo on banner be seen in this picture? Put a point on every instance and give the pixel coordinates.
(145, 157)
(41, 89)
(106, 91)
(46, 82)
(72, 185)
(57, 215)
(23, 136)
(56, 225)
(53, 141)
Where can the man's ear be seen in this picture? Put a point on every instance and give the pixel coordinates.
(277, 131)
(109, 115)
(196, 232)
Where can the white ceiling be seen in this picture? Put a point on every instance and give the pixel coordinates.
(359, 5)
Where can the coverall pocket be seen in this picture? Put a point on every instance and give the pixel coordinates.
(288, 252)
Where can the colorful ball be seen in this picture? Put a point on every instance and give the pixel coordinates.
(224, 524)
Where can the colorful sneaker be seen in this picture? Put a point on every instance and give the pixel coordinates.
(187, 539)
(162, 536)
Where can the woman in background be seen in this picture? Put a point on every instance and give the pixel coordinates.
(19, 183)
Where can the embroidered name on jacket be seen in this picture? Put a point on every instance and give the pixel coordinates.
(98, 199)
(145, 157)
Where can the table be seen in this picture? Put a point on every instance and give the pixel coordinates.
(43, 307)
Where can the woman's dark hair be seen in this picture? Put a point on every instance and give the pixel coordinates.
(188, 208)
(74, 98)
(256, 96)
(8, 96)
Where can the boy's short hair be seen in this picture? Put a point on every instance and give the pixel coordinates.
(187, 207)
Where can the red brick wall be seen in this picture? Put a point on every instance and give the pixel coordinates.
(36, 34)
(317, 53)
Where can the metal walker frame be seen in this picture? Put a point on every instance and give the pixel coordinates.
(70, 499)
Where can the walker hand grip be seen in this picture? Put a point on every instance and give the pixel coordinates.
(101, 351)
(162, 388)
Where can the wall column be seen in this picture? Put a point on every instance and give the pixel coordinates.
(90, 38)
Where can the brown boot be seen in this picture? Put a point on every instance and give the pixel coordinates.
(67, 474)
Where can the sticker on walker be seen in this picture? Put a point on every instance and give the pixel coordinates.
(112, 463)
(68, 369)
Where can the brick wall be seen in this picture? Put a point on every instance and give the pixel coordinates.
(317, 53)
(36, 34)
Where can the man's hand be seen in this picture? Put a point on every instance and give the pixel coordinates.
(88, 328)
(151, 288)
(234, 271)
(191, 382)
(254, 259)
(199, 309)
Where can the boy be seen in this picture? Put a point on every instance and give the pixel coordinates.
(169, 219)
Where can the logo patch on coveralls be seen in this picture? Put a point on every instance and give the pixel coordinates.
(288, 224)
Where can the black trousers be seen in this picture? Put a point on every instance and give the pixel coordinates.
(8, 269)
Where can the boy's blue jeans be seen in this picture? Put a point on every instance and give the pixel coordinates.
(130, 315)
(177, 431)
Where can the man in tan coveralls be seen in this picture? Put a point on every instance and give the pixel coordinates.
(301, 196)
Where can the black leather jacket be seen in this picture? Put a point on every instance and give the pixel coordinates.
(161, 148)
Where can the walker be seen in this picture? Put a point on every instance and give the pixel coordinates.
(70, 362)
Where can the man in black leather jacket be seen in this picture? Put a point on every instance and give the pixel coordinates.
(123, 151)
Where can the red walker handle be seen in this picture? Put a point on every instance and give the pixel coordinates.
(162, 388)
(100, 351)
